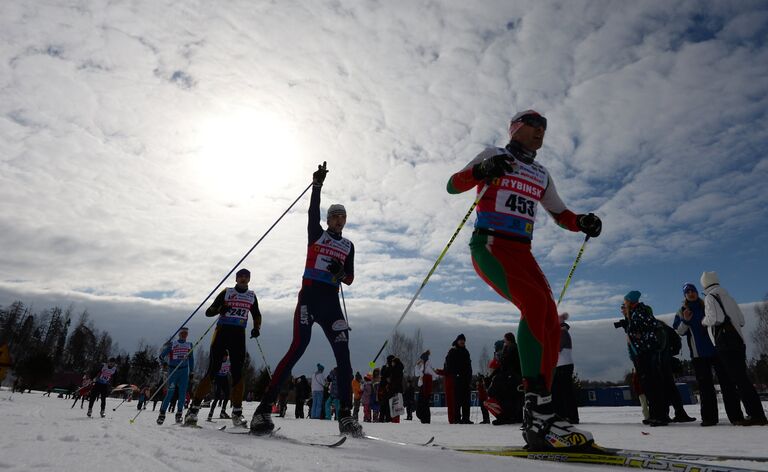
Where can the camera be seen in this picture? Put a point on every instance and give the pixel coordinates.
(621, 324)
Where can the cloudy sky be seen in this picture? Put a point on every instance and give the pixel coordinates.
(146, 145)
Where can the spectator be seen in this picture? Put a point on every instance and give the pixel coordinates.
(670, 347)
(563, 390)
(505, 399)
(318, 385)
(426, 374)
(395, 385)
(303, 391)
(375, 403)
(357, 391)
(332, 403)
(482, 397)
(366, 397)
(458, 365)
(408, 400)
(688, 323)
(724, 319)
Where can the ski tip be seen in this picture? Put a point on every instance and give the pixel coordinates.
(222, 428)
(430, 441)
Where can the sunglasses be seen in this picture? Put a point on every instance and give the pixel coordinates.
(533, 120)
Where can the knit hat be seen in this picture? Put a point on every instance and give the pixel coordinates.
(460, 337)
(709, 278)
(243, 272)
(336, 209)
(689, 287)
(633, 296)
(320, 367)
(563, 317)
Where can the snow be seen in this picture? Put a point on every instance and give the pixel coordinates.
(44, 433)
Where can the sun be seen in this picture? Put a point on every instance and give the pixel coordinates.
(246, 154)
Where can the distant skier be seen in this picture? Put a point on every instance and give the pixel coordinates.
(502, 256)
(101, 385)
(83, 391)
(179, 356)
(330, 262)
(233, 306)
(221, 389)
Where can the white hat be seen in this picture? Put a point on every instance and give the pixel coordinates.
(709, 278)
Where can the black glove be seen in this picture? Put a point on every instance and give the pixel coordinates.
(223, 309)
(492, 167)
(337, 270)
(318, 177)
(589, 224)
(255, 333)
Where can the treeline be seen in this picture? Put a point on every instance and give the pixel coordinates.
(55, 347)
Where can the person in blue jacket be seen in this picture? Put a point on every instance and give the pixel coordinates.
(179, 356)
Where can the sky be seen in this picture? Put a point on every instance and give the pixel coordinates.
(145, 147)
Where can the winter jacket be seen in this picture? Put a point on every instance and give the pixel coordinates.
(699, 343)
(395, 373)
(458, 362)
(357, 389)
(333, 384)
(713, 312)
(318, 382)
(565, 357)
(423, 368)
(367, 392)
(642, 330)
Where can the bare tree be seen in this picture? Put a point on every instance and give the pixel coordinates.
(484, 360)
(406, 348)
(760, 334)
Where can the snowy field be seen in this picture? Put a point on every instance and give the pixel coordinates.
(42, 433)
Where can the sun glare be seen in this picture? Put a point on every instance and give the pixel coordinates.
(247, 154)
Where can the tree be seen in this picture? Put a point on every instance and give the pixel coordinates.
(144, 364)
(484, 360)
(406, 348)
(760, 334)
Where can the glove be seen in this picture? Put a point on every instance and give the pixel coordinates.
(318, 177)
(493, 167)
(255, 333)
(223, 309)
(337, 270)
(589, 224)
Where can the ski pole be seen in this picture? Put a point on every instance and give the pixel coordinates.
(121, 403)
(264, 358)
(372, 364)
(573, 269)
(160, 388)
(344, 304)
(239, 262)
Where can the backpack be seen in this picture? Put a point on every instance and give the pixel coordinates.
(672, 343)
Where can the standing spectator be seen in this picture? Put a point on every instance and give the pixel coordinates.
(375, 403)
(395, 391)
(458, 366)
(724, 319)
(367, 393)
(426, 374)
(333, 403)
(670, 347)
(302, 390)
(563, 390)
(688, 323)
(505, 379)
(408, 401)
(644, 343)
(482, 397)
(318, 385)
(282, 396)
(357, 392)
(384, 392)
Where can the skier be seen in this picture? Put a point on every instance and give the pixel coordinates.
(502, 257)
(221, 389)
(330, 262)
(101, 385)
(232, 305)
(179, 356)
(83, 391)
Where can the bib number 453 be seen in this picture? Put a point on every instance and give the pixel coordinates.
(520, 204)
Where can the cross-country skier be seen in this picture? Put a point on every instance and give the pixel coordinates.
(181, 361)
(101, 385)
(501, 255)
(221, 389)
(232, 305)
(330, 261)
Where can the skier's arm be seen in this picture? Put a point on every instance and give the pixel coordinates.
(217, 305)
(466, 178)
(191, 361)
(256, 314)
(314, 230)
(164, 353)
(551, 202)
(349, 267)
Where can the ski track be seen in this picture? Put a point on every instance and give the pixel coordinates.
(45, 434)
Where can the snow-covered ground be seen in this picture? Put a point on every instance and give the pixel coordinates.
(42, 433)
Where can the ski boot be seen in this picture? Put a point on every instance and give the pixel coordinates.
(543, 430)
(161, 418)
(223, 415)
(90, 412)
(102, 413)
(261, 423)
(191, 417)
(349, 426)
(209, 419)
(178, 417)
(237, 418)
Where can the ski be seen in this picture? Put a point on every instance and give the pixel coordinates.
(635, 452)
(280, 437)
(399, 443)
(623, 459)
